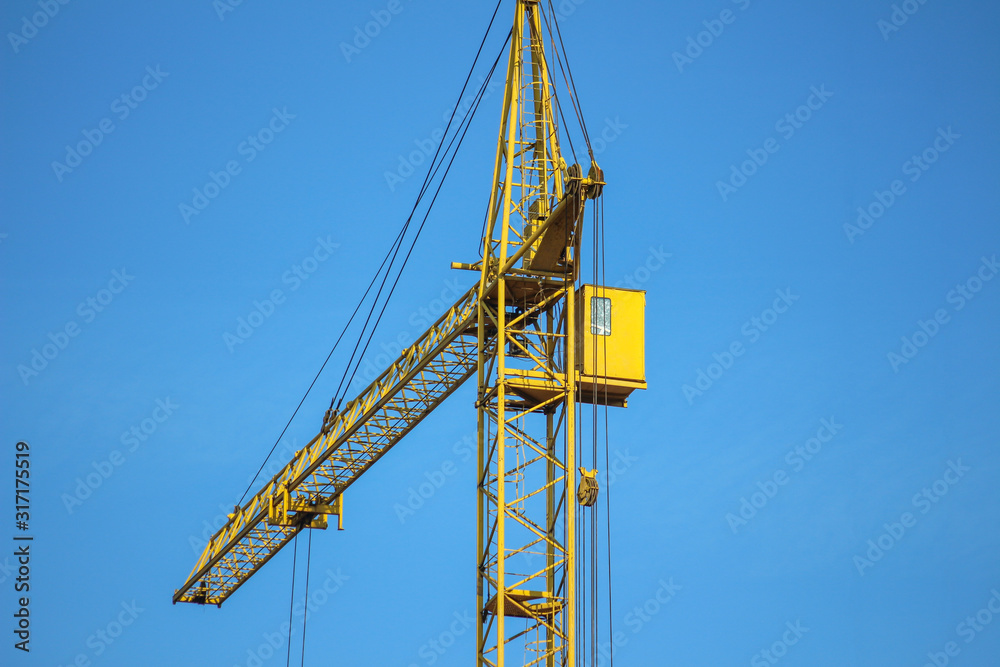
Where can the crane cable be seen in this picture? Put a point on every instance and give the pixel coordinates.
(590, 551)
(600, 274)
(555, 95)
(595, 412)
(595, 337)
(468, 116)
(432, 170)
(585, 566)
(466, 121)
(567, 73)
(305, 610)
(291, 601)
(607, 461)
(393, 250)
(311, 384)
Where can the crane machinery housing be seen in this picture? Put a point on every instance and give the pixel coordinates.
(541, 345)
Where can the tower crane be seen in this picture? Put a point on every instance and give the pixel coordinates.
(540, 343)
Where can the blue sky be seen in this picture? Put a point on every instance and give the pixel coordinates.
(828, 495)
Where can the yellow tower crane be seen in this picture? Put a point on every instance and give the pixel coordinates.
(539, 343)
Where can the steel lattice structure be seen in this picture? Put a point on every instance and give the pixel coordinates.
(311, 484)
(517, 331)
(526, 592)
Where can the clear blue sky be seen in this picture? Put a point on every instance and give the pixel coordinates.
(149, 351)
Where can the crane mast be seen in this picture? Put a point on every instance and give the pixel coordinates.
(540, 345)
(526, 589)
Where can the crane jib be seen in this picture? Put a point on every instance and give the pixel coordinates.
(310, 485)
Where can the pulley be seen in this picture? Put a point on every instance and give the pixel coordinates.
(595, 186)
(586, 493)
(573, 176)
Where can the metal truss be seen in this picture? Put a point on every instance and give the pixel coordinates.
(516, 330)
(310, 485)
(526, 420)
(526, 592)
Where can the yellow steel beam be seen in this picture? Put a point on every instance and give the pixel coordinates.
(527, 594)
(311, 483)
